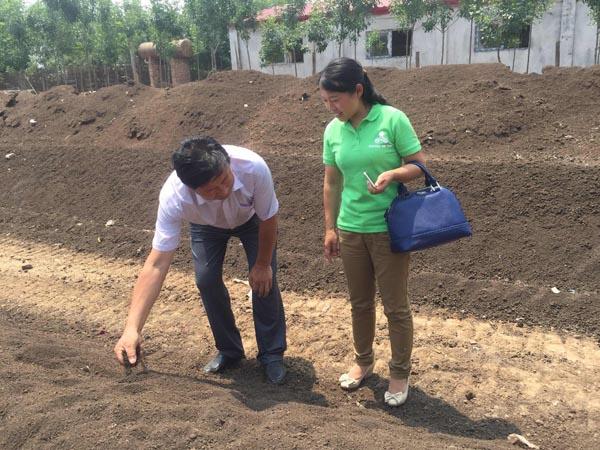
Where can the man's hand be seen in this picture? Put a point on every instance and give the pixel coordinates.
(331, 245)
(129, 343)
(383, 181)
(261, 279)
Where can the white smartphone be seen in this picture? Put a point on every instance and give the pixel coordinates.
(369, 179)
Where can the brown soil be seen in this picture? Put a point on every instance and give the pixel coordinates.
(522, 152)
(474, 382)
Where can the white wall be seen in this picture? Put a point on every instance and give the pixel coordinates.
(567, 21)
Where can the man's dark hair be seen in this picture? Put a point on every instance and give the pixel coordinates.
(198, 160)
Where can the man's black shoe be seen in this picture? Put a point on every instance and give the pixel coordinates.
(275, 372)
(219, 363)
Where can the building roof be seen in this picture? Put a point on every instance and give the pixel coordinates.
(382, 8)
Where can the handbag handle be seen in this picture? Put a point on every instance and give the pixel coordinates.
(430, 181)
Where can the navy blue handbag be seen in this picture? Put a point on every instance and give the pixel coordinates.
(425, 218)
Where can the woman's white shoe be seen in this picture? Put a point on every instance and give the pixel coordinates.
(348, 383)
(396, 399)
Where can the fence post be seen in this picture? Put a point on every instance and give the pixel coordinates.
(557, 54)
(418, 59)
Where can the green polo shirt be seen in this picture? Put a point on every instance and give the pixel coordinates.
(379, 143)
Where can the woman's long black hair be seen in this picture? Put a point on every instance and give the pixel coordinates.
(343, 74)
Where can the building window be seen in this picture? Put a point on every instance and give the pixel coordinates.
(522, 36)
(389, 43)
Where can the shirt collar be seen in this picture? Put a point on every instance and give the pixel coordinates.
(372, 115)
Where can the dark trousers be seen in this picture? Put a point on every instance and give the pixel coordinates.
(208, 249)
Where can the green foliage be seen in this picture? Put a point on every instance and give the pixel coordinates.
(407, 12)
(502, 21)
(291, 30)
(244, 17)
(349, 18)
(14, 51)
(594, 6)
(318, 29)
(271, 43)
(437, 14)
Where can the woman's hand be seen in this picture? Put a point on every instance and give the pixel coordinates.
(383, 181)
(331, 245)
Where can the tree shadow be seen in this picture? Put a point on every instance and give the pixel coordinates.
(434, 414)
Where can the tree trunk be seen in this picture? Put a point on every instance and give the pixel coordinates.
(89, 74)
(443, 44)
(529, 47)
(355, 50)
(134, 68)
(295, 66)
(412, 38)
(340, 50)
(596, 51)
(514, 57)
(406, 50)
(471, 42)
(314, 59)
(95, 78)
(213, 59)
(498, 54)
(160, 78)
(273, 68)
(248, 55)
(238, 50)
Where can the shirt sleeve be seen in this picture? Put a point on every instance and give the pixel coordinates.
(406, 140)
(167, 232)
(266, 204)
(328, 156)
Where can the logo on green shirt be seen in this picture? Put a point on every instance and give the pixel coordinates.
(381, 141)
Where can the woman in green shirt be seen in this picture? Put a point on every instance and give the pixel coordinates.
(368, 135)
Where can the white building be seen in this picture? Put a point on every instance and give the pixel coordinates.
(565, 36)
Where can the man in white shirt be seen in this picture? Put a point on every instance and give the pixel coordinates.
(222, 191)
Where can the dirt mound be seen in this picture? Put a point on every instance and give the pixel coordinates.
(521, 151)
(137, 116)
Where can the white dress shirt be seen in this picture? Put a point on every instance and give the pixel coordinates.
(252, 193)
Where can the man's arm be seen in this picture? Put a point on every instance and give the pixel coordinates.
(261, 274)
(145, 293)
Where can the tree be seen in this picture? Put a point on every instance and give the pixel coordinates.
(136, 22)
(594, 6)
(212, 18)
(467, 10)
(408, 13)
(165, 26)
(291, 30)
(349, 19)
(51, 39)
(271, 43)
(501, 22)
(438, 15)
(14, 50)
(244, 19)
(319, 31)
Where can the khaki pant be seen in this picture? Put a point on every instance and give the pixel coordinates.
(367, 259)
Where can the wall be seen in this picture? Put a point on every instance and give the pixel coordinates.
(567, 21)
